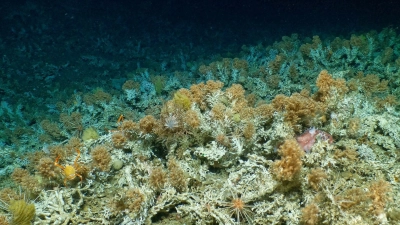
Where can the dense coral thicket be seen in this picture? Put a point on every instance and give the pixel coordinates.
(219, 142)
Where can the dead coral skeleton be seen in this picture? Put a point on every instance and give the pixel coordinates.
(61, 207)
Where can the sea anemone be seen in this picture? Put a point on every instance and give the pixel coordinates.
(171, 122)
(239, 207)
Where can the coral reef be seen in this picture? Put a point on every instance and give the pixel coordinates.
(268, 138)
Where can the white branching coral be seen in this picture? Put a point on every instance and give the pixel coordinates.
(212, 152)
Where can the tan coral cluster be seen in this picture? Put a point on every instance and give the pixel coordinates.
(290, 164)
(101, 157)
(46, 167)
(27, 181)
(326, 83)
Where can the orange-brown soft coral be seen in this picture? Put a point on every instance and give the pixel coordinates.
(147, 124)
(27, 182)
(119, 139)
(73, 144)
(130, 201)
(326, 84)
(46, 167)
(200, 91)
(19, 175)
(315, 177)
(275, 65)
(349, 153)
(191, 118)
(353, 199)
(305, 49)
(97, 96)
(265, 111)
(218, 112)
(176, 176)
(34, 158)
(389, 100)
(371, 83)
(273, 81)
(354, 124)
(359, 42)
(73, 122)
(51, 129)
(249, 130)
(129, 128)
(135, 198)
(8, 194)
(101, 157)
(236, 91)
(130, 84)
(298, 109)
(58, 151)
(379, 194)
(223, 140)
(310, 214)
(157, 178)
(3, 220)
(289, 166)
(387, 55)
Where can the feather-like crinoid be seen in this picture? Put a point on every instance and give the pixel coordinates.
(239, 208)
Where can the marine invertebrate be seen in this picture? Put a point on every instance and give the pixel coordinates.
(159, 83)
(69, 171)
(238, 207)
(290, 163)
(97, 96)
(315, 177)
(182, 99)
(191, 118)
(147, 124)
(325, 83)
(157, 178)
(27, 181)
(46, 167)
(171, 122)
(176, 176)
(73, 122)
(90, 133)
(119, 139)
(299, 108)
(51, 129)
(379, 194)
(308, 138)
(310, 214)
(101, 157)
(22, 212)
(3, 220)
